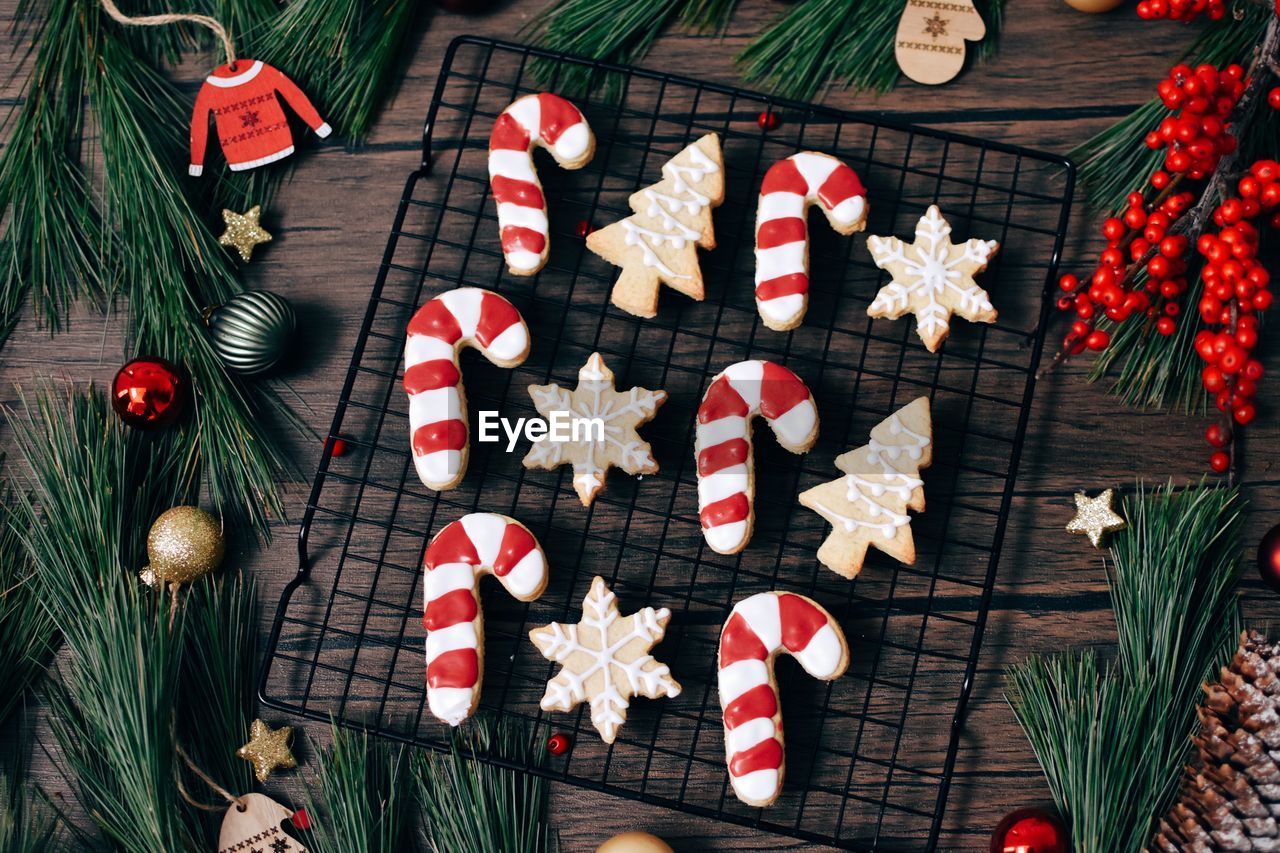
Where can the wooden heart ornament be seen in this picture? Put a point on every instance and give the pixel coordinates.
(254, 827)
(931, 34)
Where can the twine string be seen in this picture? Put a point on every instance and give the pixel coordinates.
(113, 11)
(204, 777)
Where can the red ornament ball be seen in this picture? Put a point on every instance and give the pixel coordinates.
(1030, 830)
(148, 392)
(558, 743)
(584, 228)
(1219, 461)
(1269, 558)
(336, 446)
(768, 120)
(1273, 98)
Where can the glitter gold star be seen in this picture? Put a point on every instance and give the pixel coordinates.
(1096, 517)
(243, 231)
(268, 749)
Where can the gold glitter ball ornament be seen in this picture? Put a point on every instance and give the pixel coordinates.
(184, 544)
(1096, 517)
(243, 231)
(268, 749)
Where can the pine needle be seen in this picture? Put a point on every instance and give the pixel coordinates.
(27, 823)
(1112, 739)
(363, 805)
(26, 634)
(479, 807)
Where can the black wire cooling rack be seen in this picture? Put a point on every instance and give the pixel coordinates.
(870, 756)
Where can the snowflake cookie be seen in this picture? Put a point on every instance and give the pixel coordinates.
(604, 435)
(606, 660)
(932, 278)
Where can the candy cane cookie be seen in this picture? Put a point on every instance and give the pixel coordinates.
(790, 187)
(758, 629)
(546, 121)
(439, 330)
(722, 446)
(476, 544)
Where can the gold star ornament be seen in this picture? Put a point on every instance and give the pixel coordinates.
(268, 749)
(1096, 517)
(243, 231)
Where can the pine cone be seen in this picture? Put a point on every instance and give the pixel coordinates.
(1230, 798)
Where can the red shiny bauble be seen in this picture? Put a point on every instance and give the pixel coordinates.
(1269, 558)
(584, 228)
(336, 446)
(558, 743)
(1030, 830)
(768, 120)
(148, 392)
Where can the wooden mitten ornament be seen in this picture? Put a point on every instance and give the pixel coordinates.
(931, 34)
(255, 825)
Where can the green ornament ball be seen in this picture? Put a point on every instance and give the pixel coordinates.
(251, 332)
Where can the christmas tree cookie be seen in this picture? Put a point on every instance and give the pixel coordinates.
(658, 244)
(932, 278)
(868, 505)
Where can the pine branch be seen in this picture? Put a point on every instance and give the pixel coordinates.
(839, 42)
(112, 698)
(479, 807)
(26, 634)
(363, 805)
(1112, 738)
(27, 823)
(1114, 163)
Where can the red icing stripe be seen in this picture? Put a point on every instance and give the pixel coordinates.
(452, 608)
(516, 238)
(721, 401)
(722, 455)
(759, 701)
(451, 545)
(840, 185)
(441, 435)
(508, 135)
(780, 232)
(780, 391)
(435, 320)
(557, 116)
(516, 543)
(496, 316)
(766, 755)
(739, 642)
(725, 511)
(457, 668)
(783, 285)
(800, 621)
(515, 191)
(430, 375)
(784, 177)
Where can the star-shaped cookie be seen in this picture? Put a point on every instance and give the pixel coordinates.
(932, 278)
(605, 438)
(606, 660)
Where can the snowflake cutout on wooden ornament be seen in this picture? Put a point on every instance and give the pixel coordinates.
(606, 660)
(591, 453)
(932, 278)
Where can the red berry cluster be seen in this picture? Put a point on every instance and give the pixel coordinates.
(1181, 10)
(1138, 241)
(1236, 291)
(1196, 137)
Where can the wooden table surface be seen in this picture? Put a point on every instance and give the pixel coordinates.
(1059, 77)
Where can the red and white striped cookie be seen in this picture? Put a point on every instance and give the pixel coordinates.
(782, 231)
(547, 121)
(476, 544)
(758, 629)
(467, 317)
(726, 470)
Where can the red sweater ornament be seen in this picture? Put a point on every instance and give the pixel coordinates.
(245, 101)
